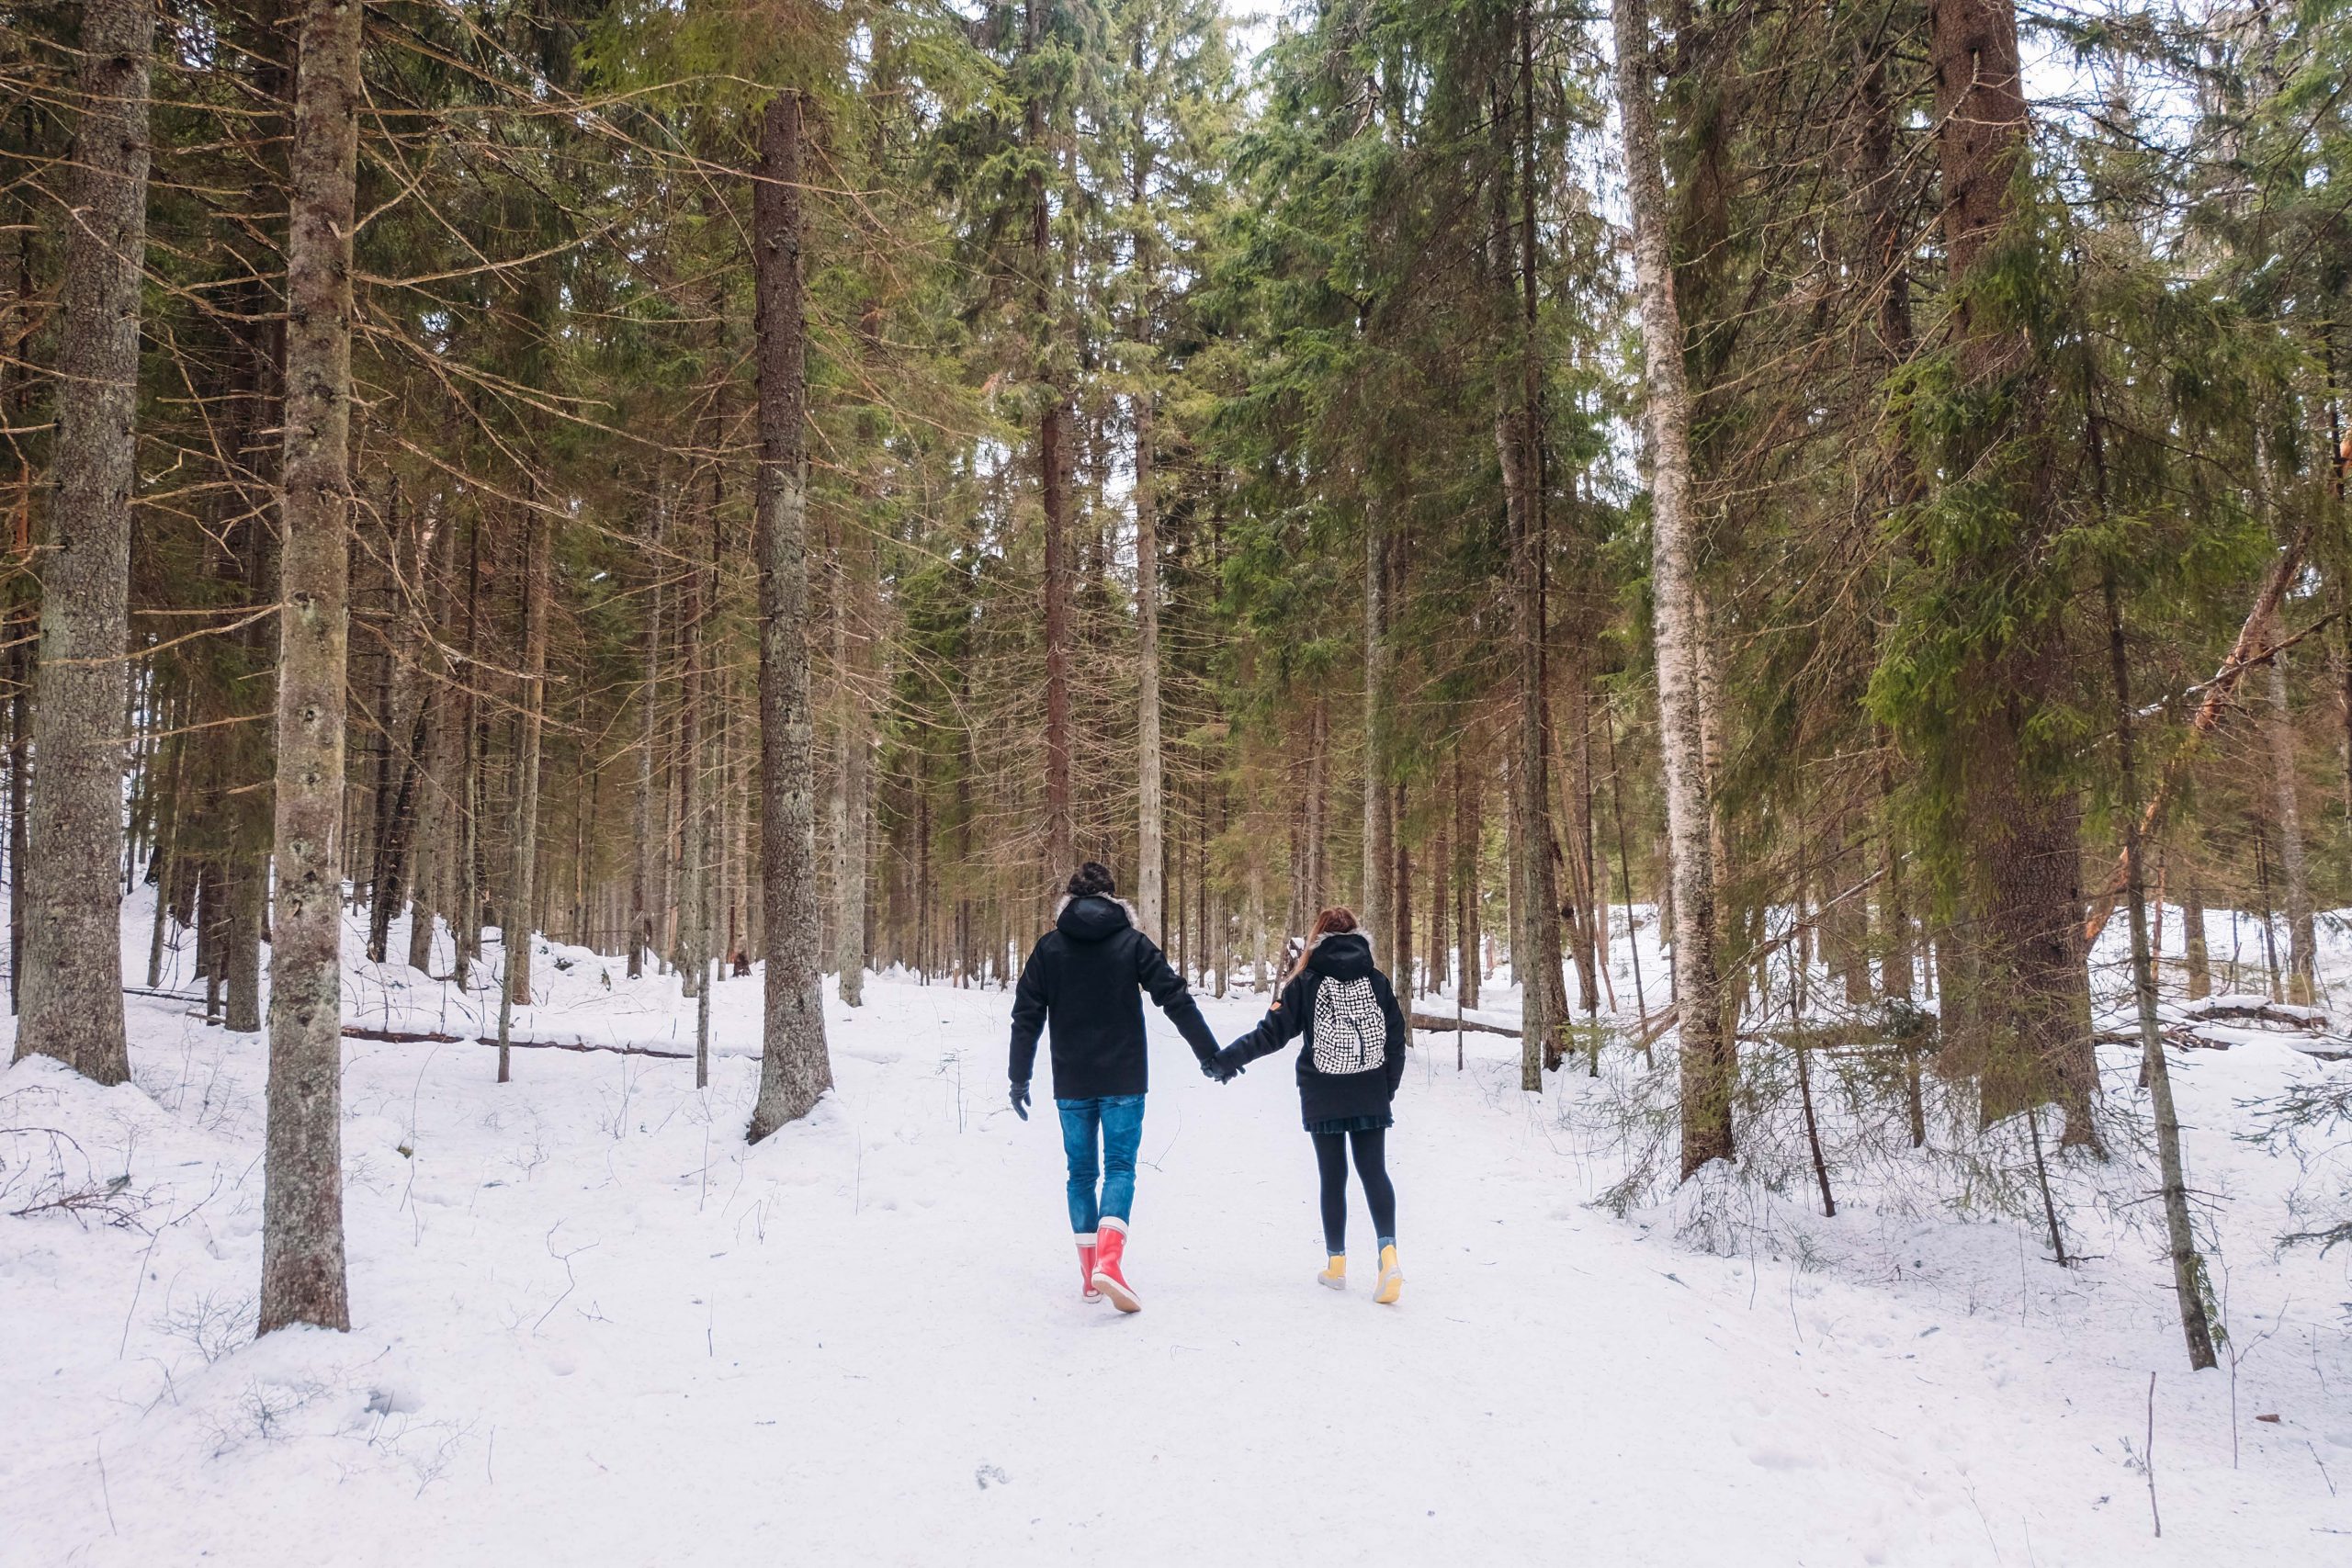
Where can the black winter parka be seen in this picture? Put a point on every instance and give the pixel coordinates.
(1331, 1097)
(1084, 976)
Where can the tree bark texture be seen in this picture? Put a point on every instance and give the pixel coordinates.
(1379, 828)
(71, 989)
(302, 1257)
(795, 1069)
(1151, 811)
(1053, 474)
(2188, 1266)
(1709, 1063)
(517, 920)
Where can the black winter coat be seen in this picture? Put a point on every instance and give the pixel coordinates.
(1328, 1097)
(1083, 976)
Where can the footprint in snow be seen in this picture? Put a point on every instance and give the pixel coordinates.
(988, 1473)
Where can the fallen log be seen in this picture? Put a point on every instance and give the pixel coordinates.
(2255, 1010)
(1439, 1025)
(412, 1037)
(1853, 1036)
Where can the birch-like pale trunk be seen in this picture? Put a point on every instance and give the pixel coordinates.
(72, 987)
(795, 1069)
(1709, 1060)
(302, 1277)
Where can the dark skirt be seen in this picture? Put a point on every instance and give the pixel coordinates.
(1352, 1123)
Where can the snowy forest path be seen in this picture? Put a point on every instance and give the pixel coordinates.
(591, 1327)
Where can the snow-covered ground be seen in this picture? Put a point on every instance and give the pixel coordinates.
(590, 1326)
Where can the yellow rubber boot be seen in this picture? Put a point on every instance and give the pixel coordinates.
(1392, 1277)
(1335, 1273)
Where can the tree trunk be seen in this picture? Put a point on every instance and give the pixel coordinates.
(854, 813)
(1469, 833)
(2188, 1266)
(428, 878)
(302, 1278)
(2196, 957)
(1400, 898)
(1440, 906)
(19, 611)
(1379, 828)
(2280, 734)
(2028, 1004)
(1578, 908)
(242, 755)
(1150, 840)
(465, 924)
(1894, 909)
(396, 825)
(1313, 882)
(645, 844)
(795, 1069)
(1053, 466)
(1150, 826)
(1710, 1065)
(523, 895)
(517, 920)
(72, 993)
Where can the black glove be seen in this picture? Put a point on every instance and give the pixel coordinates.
(1213, 1069)
(1226, 1064)
(1020, 1100)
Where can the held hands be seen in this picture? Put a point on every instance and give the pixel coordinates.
(1224, 1066)
(1020, 1100)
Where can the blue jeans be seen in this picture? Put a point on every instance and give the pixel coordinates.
(1119, 1119)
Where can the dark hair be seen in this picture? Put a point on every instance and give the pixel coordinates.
(1090, 880)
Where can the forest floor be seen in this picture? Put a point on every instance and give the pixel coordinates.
(589, 1325)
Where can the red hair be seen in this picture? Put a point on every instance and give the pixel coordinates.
(1333, 921)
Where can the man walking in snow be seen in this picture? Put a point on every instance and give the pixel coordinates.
(1086, 976)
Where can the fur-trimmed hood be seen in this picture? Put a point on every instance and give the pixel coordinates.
(1093, 917)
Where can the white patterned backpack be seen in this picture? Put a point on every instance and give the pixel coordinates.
(1351, 1032)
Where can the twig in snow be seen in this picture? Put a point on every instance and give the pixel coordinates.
(2041, 1175)
(571, 1281)
(137, 1285)
(2148, 1456)
(106, 1492)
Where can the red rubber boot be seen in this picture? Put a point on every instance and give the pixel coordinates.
(1086, 1267)
(1110, 1251)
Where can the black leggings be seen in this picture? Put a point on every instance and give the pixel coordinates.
(1372, 1169)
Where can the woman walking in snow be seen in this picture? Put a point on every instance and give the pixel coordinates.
(1348, 1073)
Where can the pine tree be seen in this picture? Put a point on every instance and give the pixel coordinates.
(71, 999)
(794, 1068)
(303, 1266)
